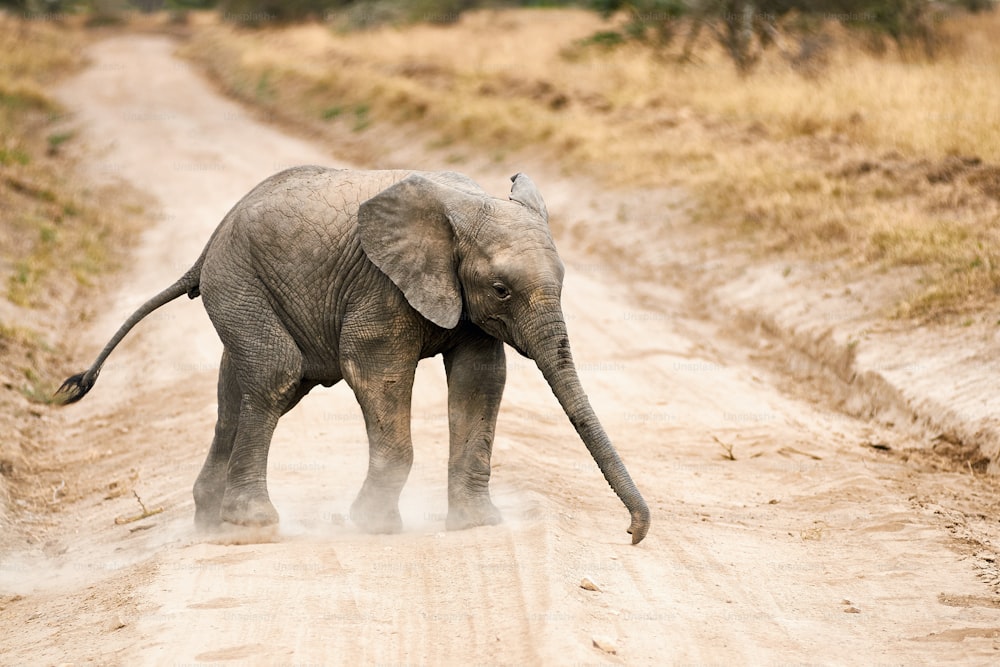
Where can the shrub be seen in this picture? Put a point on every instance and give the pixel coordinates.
(745, 28)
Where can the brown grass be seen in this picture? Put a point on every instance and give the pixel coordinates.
(57, 238)
(844, 164)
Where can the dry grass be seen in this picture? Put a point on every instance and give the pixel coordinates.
(861, 162)
(54, 231)
(57, 237)
(35, 208)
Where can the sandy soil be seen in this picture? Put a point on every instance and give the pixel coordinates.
(782, 532)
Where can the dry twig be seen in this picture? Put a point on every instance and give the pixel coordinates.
(729, 456)
(138, 517)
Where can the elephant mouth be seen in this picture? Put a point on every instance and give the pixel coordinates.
(498, 328)
(519, 350)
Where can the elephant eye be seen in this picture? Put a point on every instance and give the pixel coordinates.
(501, 291)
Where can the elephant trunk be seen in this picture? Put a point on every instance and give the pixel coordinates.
(551, 353)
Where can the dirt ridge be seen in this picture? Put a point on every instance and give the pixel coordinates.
(877, 369)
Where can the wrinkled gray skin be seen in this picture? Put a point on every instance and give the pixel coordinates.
(321, 275)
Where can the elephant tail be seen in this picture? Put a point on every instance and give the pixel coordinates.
(76, 387)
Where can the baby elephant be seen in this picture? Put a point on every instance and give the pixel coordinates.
(319, 275)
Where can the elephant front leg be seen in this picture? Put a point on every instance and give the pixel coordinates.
(476, 375)
(384, 395)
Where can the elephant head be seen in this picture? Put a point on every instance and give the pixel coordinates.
(456, 252)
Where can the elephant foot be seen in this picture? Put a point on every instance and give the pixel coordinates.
(230, 533)
(208, 504)
(207, 519)
(247, 508)
(472, 513)
(374, 516)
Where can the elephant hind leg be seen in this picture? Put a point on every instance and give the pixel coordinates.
(211, 483)
(304, 388)
(246, 500)
(210, 487)
(267, 366)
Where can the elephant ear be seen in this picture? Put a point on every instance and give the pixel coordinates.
(406, 231)
(525, 193)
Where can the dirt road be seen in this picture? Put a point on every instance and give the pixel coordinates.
(807, 548)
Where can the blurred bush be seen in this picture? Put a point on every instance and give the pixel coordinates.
(258, 12)
(745, 28)
(354, 13)
(44, 9)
